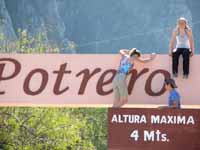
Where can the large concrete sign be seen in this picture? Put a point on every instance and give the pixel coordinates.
(57, 79)
(153, 129)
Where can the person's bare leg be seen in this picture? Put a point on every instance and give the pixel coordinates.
(116, 97)
(116, 103)
(123, 102)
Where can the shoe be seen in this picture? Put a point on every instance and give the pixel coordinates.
(185, 76)
(175, 75)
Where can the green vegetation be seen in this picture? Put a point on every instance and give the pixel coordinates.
(38, 43)
(27, 128)
(37, 128)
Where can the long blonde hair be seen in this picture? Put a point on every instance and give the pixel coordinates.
(182, 19)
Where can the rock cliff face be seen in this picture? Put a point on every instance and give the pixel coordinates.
(100, 26)
(6, 26)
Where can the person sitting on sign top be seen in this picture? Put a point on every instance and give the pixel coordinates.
(126, 65)
(174, 96)
(182, 34)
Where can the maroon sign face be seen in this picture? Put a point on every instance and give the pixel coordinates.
(153, 129)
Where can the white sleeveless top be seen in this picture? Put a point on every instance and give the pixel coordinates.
(182, 41)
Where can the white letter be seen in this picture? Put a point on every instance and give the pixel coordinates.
(155, 119)
(190, 120)
(181, 120)
(148, 136)
(114, 118)
(143, 119)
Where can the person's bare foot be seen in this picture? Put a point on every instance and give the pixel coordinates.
(185, 76)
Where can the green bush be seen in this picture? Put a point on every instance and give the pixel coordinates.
(35, 128)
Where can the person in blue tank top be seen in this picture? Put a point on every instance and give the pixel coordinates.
(183, 37)
(126, 65)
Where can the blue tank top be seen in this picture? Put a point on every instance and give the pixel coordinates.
(182, 41)
(125, 66)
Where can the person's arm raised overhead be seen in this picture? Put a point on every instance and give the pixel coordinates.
(124, 52)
